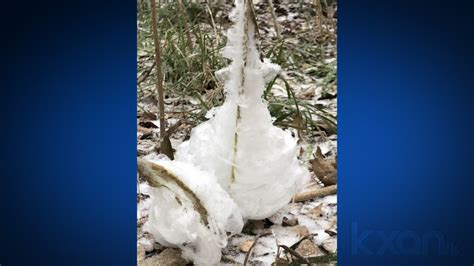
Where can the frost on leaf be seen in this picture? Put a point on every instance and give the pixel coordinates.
(189, 210)
(252, 159)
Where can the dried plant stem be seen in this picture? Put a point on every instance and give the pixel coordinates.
(184, 18)
(253, 245)
(294, 253)
(330, 17)
(211, 16)
(315, 193)
(319, 16)
(247, 13)
(275, 22)
(165, 144)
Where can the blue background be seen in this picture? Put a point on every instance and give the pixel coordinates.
(68, 137)
(405, 127)
(68, 107)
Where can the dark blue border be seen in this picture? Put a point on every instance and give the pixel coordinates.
(405, 133)
(68, 152)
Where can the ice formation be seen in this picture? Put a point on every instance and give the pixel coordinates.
(252, 159)
(235, 165)
(189, 210)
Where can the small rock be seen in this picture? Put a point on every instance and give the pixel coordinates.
(308, 249)
(169, 257)
(245, 247)
(316, 212)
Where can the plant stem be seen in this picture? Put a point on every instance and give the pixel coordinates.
(247, 14)
(184, 18)
(165, 144)
(319, 16)
(274, 18)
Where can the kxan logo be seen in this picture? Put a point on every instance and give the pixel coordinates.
(403, 242)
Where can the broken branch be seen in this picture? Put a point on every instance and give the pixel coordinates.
(315, 193)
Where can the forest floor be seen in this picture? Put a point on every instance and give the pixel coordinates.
(303, 99)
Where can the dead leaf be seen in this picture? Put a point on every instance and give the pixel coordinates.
(325, 170)
(147, 116)
(316, 212)
(301, 230)
(298, 124)
(331, 233)
(147, 124)
(245, 247)
(308, 249)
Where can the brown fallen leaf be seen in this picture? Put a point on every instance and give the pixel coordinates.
(298, 124)
(316, 212)
(148, 116)
(246, 245)
(301, 230)
(308, 249)
(147, 124)
(325, 170)
(330, 232)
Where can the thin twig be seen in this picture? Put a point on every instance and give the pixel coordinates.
(319, 16)
(315, 193)
(275, 22)
(159, 75)
(253, 245)
(146, 73)
(184, 18)
(294, 253)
